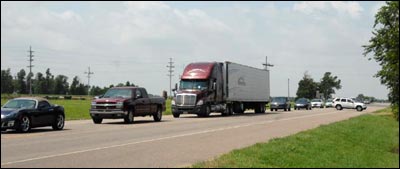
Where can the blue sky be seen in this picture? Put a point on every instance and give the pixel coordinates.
(133, 41)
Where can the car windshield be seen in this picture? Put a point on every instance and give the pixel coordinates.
(301, 101)
(316, 100)
(118, 93)
(17, 104)
(329, 100)
(193, 85)
(279, 99)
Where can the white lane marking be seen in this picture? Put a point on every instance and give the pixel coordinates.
(164, 138)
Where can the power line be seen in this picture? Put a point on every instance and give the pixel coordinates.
(30, 68)
(88, 76)
(170, 67)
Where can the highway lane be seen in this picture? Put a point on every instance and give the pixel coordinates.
(170, 143)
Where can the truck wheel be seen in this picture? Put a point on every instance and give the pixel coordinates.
(158, 115)
(59, 123)
(176, 115)
(24, 124)
(359, 108)
(207, 112)
(129, 118)
(97, 120)
(339, 107)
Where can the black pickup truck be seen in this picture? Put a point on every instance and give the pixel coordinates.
(126, 103)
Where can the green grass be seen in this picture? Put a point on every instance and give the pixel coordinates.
(361, 142)
(79, 109)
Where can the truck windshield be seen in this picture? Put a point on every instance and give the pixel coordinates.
(118, 93)
(193, 85)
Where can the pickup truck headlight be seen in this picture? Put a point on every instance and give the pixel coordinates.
(93, 103)
(120, 104)
(199, 103)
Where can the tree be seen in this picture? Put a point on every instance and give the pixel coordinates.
(49, 83)
(307, 87)
(6, 81)
(61, 85)
(39, 84)
(385, 46)
(21, 82)
(74, 86)
(29, 81)
(328, 84)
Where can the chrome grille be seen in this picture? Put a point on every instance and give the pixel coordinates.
(186, 100)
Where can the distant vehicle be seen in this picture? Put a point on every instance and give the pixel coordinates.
(280, 103)
(367, 101)
(23, 114)
(302, 103)
(126, 103)
(225, 88)
(329, 103)
(317, 103)
(347, 103)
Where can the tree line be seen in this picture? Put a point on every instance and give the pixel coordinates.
(310, 89)
(47, 83)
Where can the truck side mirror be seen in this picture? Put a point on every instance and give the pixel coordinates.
(214, 86)
(176, 87)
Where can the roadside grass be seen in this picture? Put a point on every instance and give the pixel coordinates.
(361, 142)
(79, 109)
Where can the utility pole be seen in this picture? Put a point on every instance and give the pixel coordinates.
(266, 64)
(170, 67)
(30, 68)
(88, 76)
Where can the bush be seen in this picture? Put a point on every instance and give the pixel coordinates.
(67, 97)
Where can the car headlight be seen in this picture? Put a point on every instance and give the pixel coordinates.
(199, 103)
(173, 102)
(2, 116)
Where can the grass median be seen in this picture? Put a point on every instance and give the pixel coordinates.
(79, 109)
(362, 142)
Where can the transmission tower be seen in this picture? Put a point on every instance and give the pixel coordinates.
(170, 67)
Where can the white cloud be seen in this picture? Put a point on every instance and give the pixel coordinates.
(353, 9)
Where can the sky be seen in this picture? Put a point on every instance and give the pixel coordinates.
(133, 41)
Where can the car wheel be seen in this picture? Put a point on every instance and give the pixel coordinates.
(59, 123)
(176, 115)
(97, 120)
(25, 124)
(129, 118)
(339, 107)
(359, 108)
(158, 115)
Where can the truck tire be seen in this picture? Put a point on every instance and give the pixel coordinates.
(130, 117)
(359, 108)
(97, 120)
(207, 111)
(157, 115)
(339, 107)
(176, 115)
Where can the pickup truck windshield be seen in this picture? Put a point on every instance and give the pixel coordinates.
(193, 85)
(118, 93)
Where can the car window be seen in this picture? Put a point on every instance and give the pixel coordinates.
(44, 104)
(138, 94)
(343, 100)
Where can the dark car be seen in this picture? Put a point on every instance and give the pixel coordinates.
(280, 103)
(302, 103)
(22, 114)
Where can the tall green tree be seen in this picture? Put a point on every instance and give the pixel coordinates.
(61, 84)
(7, 85)
(307, 87)
(74, 86)
(328, 85)
(39, 84)
(29, 82)
(21, 82)
(384, 44)
(49, 83)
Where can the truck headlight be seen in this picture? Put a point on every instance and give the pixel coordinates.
(2, 116)
(173, 102)
(199, 103)
(120, 104)
(93, 103)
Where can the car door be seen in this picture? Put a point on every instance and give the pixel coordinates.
(46, 112)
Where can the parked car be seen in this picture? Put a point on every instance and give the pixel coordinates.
(23, 114)
(126, 103)
(302, 103)
(280, 103)
(347, 103)
(317, 103)
(329, 103)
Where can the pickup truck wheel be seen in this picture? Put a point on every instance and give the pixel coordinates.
(24, 124)
(339, 107)
(129, 118)
(158, 115)
(59, 122)
(359, 108)
(176, 115)
(97, 120)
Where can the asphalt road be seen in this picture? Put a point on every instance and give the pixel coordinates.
(170, 143)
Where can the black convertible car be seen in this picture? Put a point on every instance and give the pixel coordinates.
(22, 114)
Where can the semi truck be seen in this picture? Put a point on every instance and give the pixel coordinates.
(222, 87)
